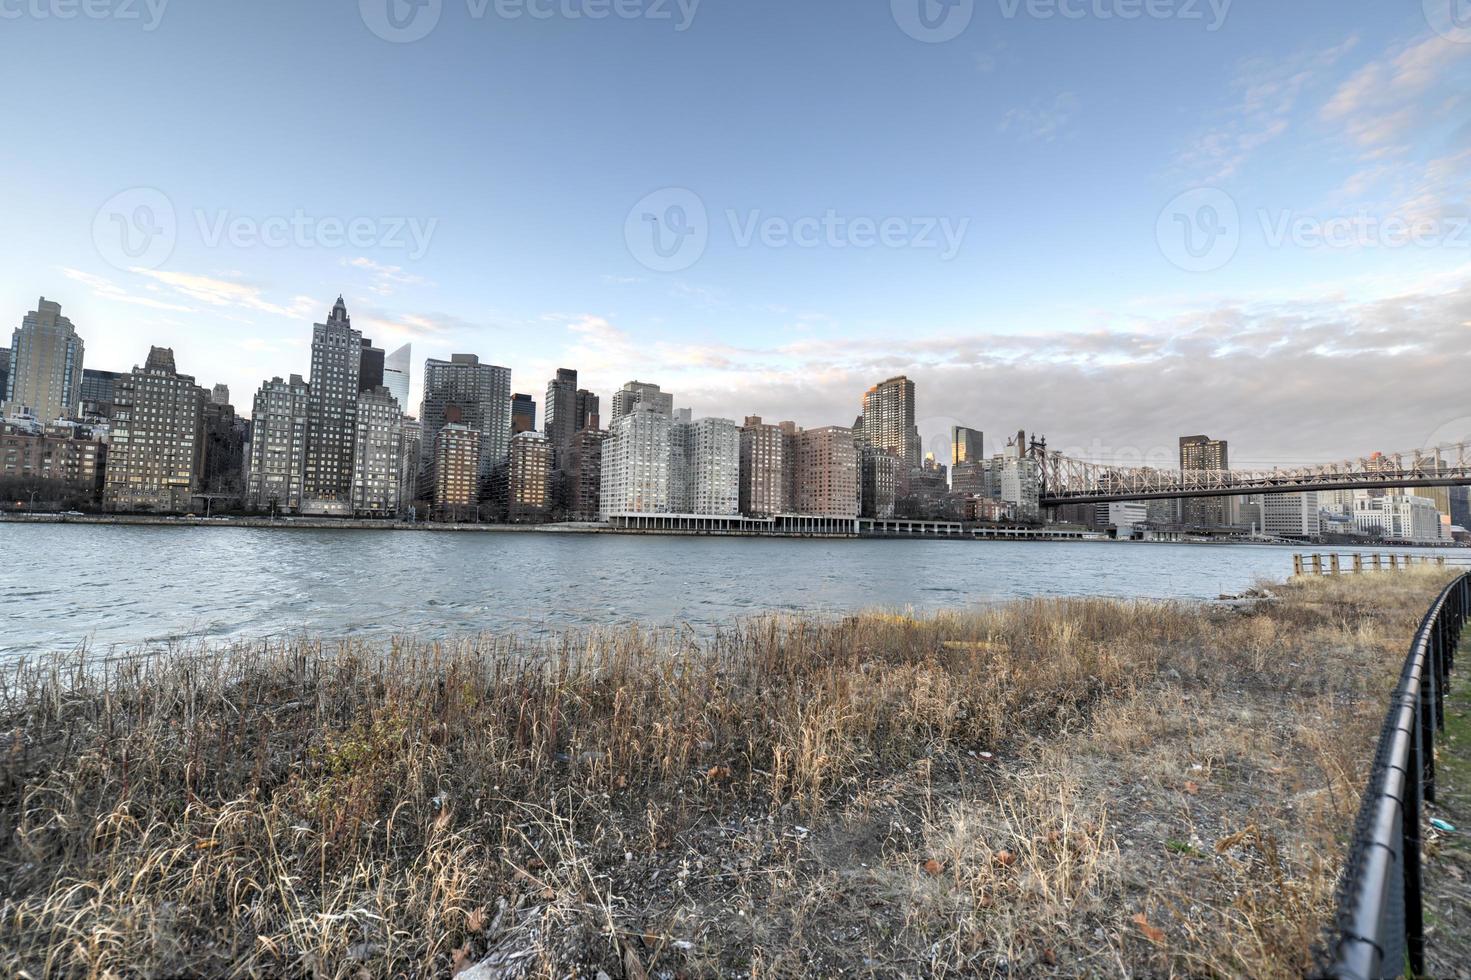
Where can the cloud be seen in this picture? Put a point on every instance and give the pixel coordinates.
(108, 289)
(1269, 94)
(227, 294)
(1306, 380)
(1385, 102)
(1042, 120)
(385, 279)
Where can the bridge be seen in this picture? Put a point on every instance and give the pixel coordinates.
(1071, 481)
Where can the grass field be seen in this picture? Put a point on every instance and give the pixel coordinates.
(1042, 788)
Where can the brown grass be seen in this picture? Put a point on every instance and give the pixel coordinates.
(1055, 787)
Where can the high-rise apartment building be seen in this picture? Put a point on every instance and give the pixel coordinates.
(463, 391)
(4, 376)
(561, 412)
(766, 468)
(888, 419)
(1017, 480)
(705, 461)
(396, 375)
(456, 471)
(969, 479)
(157, 439)
(529, 478)
(332, 414)
(636, 463)
(278, 426)
(638, 392)
(218, 395)
(585, 474)
(966, 446)
(882, 476)
(523, 414)
(1205, 453)
(377, 454)
(45, 374)
(99, 392)
(826, 472)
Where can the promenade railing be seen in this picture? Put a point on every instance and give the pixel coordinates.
(1357, 562)
(1379, 929)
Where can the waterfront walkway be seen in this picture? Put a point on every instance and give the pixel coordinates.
(1448, 852)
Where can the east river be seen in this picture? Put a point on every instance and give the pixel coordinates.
(124, 588)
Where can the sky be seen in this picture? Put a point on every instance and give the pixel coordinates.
(1109, 222)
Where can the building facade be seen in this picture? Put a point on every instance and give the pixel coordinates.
(634, 393)
(222, 467)
(462, 391)
(1205, 453)
(157, 441)
(585, 475)
(99, 392)
(966, 446)
(523, 414)
(705, 460)
(881, 479)
(888, 419)
(59, 462)
(278, 426)
(636, 463)
(826, 472)
(45, 375)
(332, 414)
(766, 468)
(529, 478)
(456, 469)
(1290, 515)
(377, 454)
(561, 412)
(396, 375)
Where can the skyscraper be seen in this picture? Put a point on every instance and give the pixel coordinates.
(888, 419)
(588, 416)
(220, 394)
(966, 445)
(154, 460)
(372, 367)
(636, 462)
(45, 366)
(560, 410)
(464, 391)
(585, 474)
(456, 471)
(396, 376)
(1205, 453)
(278, 426)
(638, 392)
(4, 375)
(332, 414)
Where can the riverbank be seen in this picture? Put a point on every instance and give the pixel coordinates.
(1045, 787)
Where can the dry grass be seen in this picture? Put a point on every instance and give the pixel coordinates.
(1051, 787)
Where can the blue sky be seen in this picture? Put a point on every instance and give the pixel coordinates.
(502, 172)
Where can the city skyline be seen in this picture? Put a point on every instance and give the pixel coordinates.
(1061, 309)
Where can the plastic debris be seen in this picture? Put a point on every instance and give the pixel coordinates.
(1440, 824)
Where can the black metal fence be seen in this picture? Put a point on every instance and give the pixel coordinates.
(1379, 930)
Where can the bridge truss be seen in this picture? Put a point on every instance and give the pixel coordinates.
(1071, 481)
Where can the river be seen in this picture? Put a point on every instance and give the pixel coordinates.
(123, 588)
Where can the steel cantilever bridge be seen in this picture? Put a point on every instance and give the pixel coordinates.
(1071, 481)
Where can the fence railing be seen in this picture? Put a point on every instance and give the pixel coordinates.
(1356, 562)
(1379, 930)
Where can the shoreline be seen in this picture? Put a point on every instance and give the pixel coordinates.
(349, 524)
